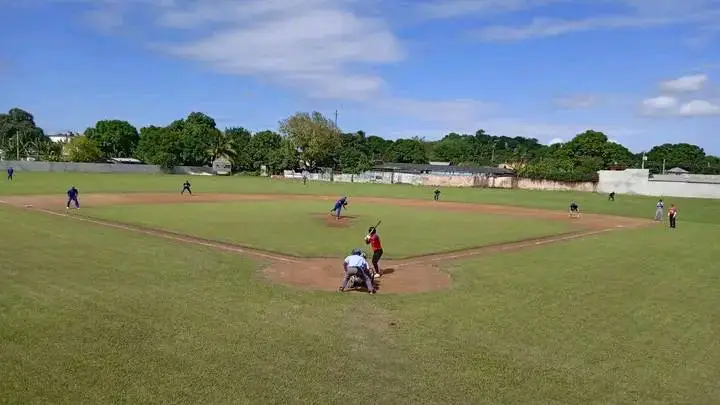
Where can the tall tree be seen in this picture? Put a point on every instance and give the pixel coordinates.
(260, 148)
(239, 139)
(408, 151)
(315, 136)
(18, 132)
(159, 146)
(116, 138)
(683, 155)
(455, 148)
(83, 149)
(354, 161)
(195, 135)
(378, 148)
(284, 157)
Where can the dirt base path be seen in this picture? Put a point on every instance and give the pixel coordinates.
(418, 274)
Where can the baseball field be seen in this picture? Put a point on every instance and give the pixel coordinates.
(230, 295)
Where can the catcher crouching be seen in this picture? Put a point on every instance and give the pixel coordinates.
(356, 272)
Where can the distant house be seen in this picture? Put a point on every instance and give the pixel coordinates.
(678, 170)
(445, 170)
(62, 137)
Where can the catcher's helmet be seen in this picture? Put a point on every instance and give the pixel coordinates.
(357, 252)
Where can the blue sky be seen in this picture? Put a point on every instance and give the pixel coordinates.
(643, 71)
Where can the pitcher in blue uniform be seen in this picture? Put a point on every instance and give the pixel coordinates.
(338, 207)
(73, 197)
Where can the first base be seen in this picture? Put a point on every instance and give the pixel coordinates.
(28, 206)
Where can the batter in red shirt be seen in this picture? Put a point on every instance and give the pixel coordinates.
(373, 239)
(672, 215)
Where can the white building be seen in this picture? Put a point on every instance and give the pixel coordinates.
(63, 137)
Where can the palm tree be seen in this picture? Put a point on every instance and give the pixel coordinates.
(221, 146)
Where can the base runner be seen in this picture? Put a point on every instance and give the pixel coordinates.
(672, 215)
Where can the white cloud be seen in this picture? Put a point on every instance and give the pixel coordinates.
(699, 108)
(659, 105)
(555, 141)
(632, 14)
(295, 46)
(685, 84)
(550, 27)
(458, 8)
(671, 106)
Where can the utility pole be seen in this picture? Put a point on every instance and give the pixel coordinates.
(644, 159)
(663, 166)
(17, 145)
(336, 114)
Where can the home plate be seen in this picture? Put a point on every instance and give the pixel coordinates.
(619, 226)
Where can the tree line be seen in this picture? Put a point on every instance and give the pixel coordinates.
(311, 141)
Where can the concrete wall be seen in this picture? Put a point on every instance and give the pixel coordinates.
(455, 180)
(639, 182)
(549, 185)
(23, 166)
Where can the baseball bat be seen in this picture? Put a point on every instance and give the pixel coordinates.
(375, 227)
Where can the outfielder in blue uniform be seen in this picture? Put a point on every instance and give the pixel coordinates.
(10, 172)
(73, 197)
(339, 205)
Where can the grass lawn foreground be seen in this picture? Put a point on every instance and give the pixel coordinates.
(300, 228)
(96, 315)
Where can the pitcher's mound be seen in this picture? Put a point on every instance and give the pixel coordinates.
(333, 222)
(327, 274)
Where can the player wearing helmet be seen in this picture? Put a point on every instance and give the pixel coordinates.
(355, 265)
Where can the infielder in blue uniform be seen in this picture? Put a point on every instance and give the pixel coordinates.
(73, 197)
(339, 205)
(10, 172)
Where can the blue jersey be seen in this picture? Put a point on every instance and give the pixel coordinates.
(341, 202)
(72, 193)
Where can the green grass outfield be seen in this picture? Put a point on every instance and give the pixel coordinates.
(94, 315)
(693, 210)
(299, 227)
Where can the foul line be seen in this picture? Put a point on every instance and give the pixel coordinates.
(166, 235)
(503, 247)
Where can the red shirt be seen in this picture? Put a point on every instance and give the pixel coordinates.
(672, 211)
(375, 242)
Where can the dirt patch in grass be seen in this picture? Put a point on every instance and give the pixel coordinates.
(413, 275)
(327, 274)
(333, 221)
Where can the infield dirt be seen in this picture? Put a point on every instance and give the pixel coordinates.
(413, 275)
